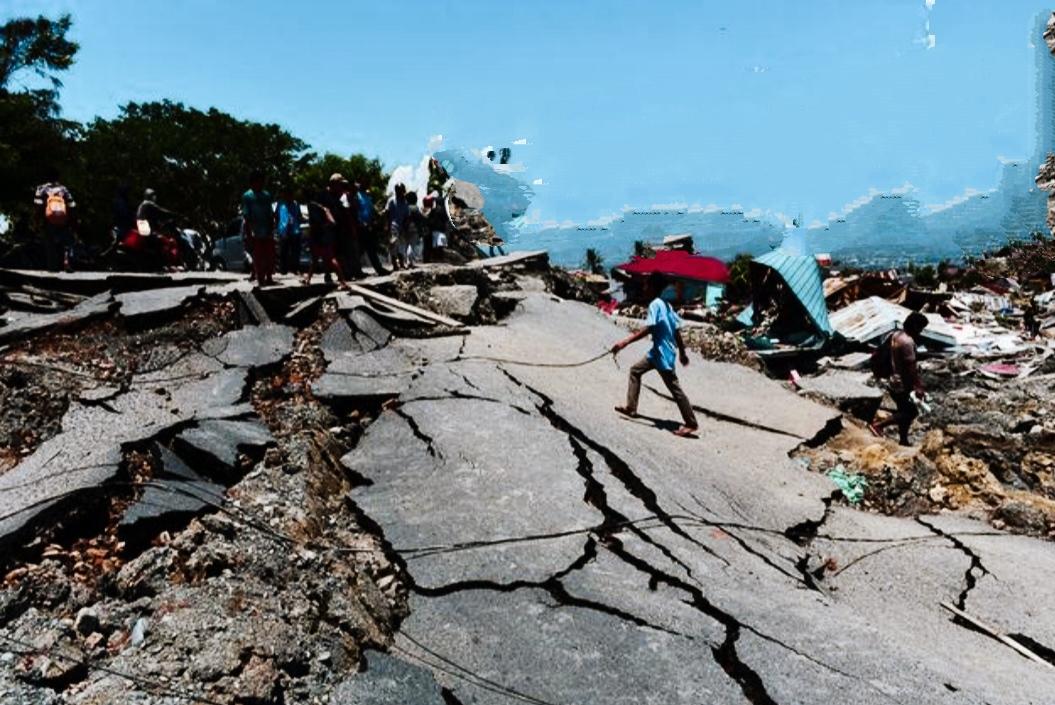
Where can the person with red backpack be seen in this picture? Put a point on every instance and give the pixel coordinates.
(894, 366)
(58, 216)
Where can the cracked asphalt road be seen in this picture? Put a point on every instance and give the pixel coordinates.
(558, 553)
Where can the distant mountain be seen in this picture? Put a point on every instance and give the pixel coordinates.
(720, 233)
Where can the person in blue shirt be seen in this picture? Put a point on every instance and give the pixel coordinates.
(367, 226)
(287, 213)
(667, 348)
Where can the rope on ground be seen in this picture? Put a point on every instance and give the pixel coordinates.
(524, 363)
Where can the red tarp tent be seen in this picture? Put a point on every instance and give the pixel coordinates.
(681, 264)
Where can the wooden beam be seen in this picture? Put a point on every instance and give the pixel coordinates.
(534, 257)
(371, 295)
(991, 631)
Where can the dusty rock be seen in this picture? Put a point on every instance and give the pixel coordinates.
(456, 301)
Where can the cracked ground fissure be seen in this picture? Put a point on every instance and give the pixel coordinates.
(970, 578)
(725, 654)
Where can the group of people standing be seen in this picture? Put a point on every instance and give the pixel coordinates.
(343, 227)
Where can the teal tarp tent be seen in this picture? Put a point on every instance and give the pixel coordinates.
(802, 275)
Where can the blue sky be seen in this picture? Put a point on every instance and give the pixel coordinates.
(789, 106)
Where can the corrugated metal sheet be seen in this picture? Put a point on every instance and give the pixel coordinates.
(869, 319)
(803, 277)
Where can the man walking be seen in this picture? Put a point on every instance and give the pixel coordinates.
(894, 366)
(667, 346)
(258, 228)
(58, 217)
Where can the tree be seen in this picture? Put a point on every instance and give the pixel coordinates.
(593, 262)
(38, 45)
(642, 249)
(315, 172)
(32, 136)
(739, 287)
(198, 161)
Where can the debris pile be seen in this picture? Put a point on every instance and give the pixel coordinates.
(987, 362)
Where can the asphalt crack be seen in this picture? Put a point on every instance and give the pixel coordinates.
(552, 586)
(619, 469)
(430, 443)
(803, 534)
(970, 577)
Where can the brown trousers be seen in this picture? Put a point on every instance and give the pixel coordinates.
(670, 378)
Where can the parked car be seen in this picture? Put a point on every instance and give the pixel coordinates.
(228, 251)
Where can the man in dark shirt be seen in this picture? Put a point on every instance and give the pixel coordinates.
(901, 376)
(152, 213)
(322, 222)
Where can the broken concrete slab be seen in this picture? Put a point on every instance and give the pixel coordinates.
(252, 309)
(92, 283)
(253, 346)
(146, 307)
(175, 495)
(368, 331)
(88, 452)
(427, 469)
(456, 301)
(339, 339)
(341, 388)
(387, 680)
(26, 325)
(215, 444)
(849, 391)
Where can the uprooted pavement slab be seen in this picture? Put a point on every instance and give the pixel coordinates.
(556, 552)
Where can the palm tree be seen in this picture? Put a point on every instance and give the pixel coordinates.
(593, 262)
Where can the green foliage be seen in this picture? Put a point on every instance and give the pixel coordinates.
(925, 277)
(32, 136)
(593, 262)
(738, 290)
(198, 161)
(315, 171)
(37, 45)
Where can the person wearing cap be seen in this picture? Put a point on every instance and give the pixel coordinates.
(258, 228)
(152, 213)
(322, 234)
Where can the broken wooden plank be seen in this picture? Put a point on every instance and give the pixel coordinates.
(529, 257)
(304, 311)
(370, 295)
(991, 631)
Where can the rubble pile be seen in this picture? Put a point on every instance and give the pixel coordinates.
(988, 356)
(719, 345)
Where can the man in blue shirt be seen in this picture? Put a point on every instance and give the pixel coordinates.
(287, 213)
(667, 347)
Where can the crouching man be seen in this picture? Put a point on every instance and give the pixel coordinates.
(667, 347)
